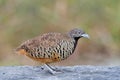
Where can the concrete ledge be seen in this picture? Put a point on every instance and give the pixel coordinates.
(69, 73)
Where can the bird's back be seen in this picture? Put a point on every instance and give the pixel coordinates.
(49, 47)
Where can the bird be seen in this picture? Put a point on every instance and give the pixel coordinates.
(51, 47)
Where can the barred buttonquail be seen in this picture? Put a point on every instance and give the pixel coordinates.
(51, 47)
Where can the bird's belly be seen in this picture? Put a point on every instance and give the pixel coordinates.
(54, 57)
(44, 60)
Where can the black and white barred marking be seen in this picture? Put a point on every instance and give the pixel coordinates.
(64, 49)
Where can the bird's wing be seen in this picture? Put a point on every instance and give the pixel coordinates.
(48, 40)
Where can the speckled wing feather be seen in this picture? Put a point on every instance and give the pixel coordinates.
(51, 46)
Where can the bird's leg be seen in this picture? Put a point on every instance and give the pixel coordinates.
(54, 68)
(53, 71)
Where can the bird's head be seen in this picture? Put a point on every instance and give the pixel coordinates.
(78, 33)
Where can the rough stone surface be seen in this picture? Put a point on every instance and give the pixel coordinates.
(68, 73)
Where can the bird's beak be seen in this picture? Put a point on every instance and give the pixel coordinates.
(85, 35)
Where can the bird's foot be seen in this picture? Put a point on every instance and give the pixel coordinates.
(53, 71)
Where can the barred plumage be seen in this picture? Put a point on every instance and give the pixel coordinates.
(51, 47)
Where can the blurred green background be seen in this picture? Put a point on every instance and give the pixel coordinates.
(24, 19)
